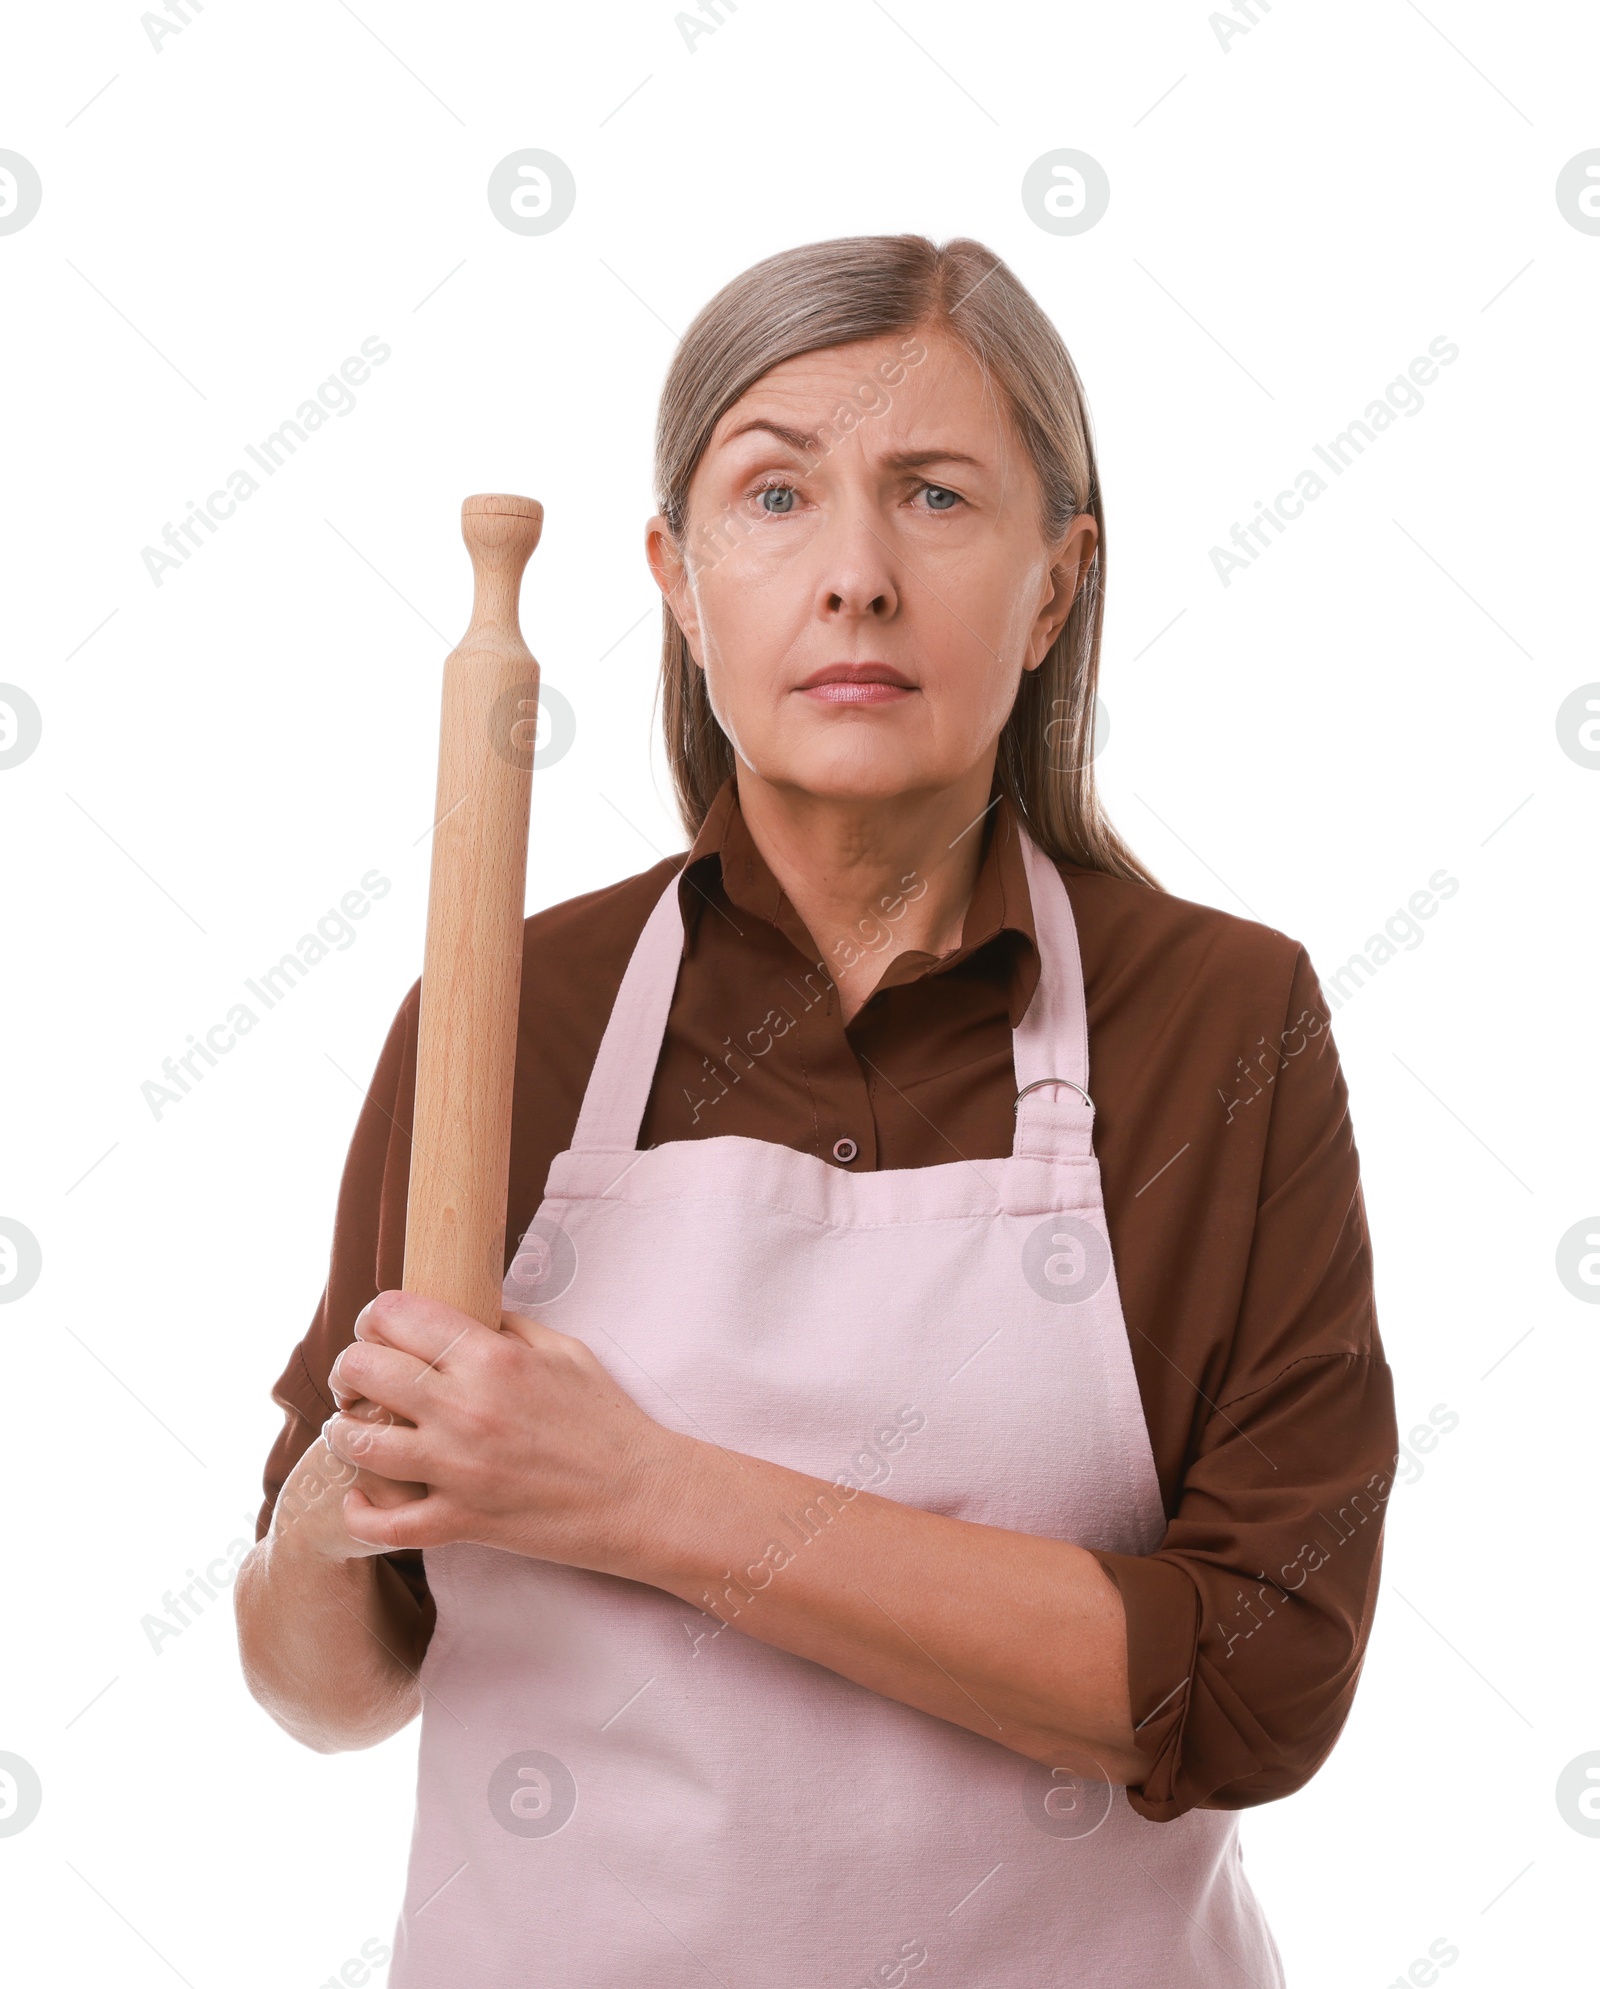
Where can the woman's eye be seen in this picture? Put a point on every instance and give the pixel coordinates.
(778, 500)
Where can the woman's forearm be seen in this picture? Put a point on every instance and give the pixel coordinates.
(1020, 1638)
(329, 1645)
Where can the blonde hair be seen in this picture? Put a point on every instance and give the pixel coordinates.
(866, 287)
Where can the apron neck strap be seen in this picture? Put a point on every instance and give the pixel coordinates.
(1050, 1048)
(619, 1085)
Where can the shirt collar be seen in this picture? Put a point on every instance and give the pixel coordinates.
(999, 916)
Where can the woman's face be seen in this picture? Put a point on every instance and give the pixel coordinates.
(863, 579)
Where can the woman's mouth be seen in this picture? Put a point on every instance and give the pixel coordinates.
(857, 683)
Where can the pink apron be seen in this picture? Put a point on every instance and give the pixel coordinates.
(619, 1791)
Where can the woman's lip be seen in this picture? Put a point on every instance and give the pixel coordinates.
(855, 690)
(856, 683)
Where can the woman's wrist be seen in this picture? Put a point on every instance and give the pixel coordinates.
(709, 1517)
(675, 1485)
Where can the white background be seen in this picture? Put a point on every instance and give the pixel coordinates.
(1292, 220)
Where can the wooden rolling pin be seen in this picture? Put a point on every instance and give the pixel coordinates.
(472, 961)
(472, 958)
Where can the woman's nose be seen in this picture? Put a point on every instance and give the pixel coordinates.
(856, 576)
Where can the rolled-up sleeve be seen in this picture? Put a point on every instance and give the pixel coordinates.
(1248, 1625)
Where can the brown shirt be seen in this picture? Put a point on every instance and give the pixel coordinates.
(1231, 1192)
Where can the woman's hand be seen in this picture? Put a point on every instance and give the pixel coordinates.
(309, 1515)
(379, 1491)
(521, 1438)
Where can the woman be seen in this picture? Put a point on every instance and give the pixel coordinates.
(866, 1544)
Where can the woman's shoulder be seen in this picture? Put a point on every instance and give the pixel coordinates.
(587, 940)
(1197, 953)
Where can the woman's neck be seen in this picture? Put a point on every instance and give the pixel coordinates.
(870, 880)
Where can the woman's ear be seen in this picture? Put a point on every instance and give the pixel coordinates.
(667, 564)
(1072, 554)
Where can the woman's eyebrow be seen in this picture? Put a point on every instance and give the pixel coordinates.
(806, 445)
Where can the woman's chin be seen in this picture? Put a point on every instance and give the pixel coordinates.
(858, 779)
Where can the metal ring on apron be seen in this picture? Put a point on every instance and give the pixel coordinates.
(1050, 1080)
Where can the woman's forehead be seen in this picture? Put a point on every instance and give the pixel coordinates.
(927, 382)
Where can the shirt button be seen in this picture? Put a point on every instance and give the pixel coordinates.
(844, 1151)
